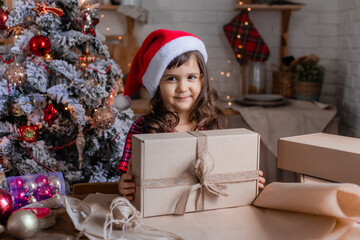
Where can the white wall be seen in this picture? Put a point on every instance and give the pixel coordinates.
(327, 28)
(349, 70)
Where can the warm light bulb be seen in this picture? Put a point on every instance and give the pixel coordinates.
(102, 16)
(246, 23)
(228, 74)
(229, 61)
(240, 3)
(120, 37)
(222, 73)
(238, 36)
(227, 97)
(249, 9)
(107, 29)
(229, 103)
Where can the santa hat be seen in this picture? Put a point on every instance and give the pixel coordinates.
(155, 54)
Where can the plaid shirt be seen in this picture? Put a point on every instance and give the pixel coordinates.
(138, 127)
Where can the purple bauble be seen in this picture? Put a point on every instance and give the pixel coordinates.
(6, 205)
(41, 180)
(44, 192)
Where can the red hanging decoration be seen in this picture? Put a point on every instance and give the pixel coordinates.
(43, 9)
(87, 58)
(4, 15)
(39, 45)
(29, 133)
(50, 114)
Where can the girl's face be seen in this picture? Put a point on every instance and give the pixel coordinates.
(181, 86)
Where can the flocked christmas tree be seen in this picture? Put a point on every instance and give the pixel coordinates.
(61, 107)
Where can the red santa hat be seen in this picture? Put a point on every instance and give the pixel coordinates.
(155, 54)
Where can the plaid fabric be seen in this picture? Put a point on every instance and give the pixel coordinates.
(245, 39)
(138, 127)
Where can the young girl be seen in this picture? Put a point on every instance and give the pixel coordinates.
(171, 66)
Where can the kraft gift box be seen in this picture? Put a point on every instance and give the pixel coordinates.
(163, 165)
(321, 156)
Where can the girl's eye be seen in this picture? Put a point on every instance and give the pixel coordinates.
(171, 79)
(192, 77)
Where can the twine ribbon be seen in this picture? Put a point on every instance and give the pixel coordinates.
(124, 216)
(201, 180)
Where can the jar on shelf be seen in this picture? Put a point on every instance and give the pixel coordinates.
(257, 78)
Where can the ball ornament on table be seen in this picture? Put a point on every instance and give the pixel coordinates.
(16, 75)
(6, 205)
(39, 45)
(4, 15)
(22, 224)
(103, 118)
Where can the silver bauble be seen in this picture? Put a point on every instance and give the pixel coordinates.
(15, 75)
(22, 224)
(122, 102)
(103, 118)
(54, 181)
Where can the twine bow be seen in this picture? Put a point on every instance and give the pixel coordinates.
(201, 168)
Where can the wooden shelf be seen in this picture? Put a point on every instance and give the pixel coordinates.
(109, 7)
(268, 7)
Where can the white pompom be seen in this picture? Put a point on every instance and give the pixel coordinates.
(122, 102)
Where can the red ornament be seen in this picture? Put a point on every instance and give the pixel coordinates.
(17, 183)
(50, 114)
(41, 180)
(39, 45)
(4, 15)
(6, 205)
(29, 133)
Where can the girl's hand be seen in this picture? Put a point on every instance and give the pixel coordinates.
(261, 180)
(126, 186)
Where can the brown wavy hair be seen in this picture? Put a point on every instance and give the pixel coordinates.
(204, 112)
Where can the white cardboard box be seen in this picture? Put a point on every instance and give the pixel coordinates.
(165, 156)
(325, 156)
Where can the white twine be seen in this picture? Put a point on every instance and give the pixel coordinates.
(123, 215)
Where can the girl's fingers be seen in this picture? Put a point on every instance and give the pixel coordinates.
(126, 192)
(262, 180)
(129, 197)
(261, 173)
(261, 186)
(125, 185)
(125, 177)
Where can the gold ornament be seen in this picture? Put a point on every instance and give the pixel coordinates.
(2, 178)
(15, 75)
(32, 199)
(103, 118)
(17, 110)
(29, 186)
(80, 145)
(22, 224)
